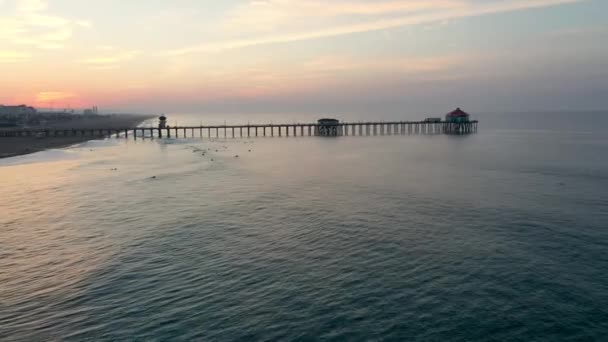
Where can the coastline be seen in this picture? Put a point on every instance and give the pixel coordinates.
(17, 146)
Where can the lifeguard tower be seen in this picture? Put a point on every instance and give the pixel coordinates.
(162, 122)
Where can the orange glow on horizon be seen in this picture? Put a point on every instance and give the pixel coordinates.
(58, 99)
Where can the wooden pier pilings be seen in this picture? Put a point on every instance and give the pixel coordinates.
(259, 130)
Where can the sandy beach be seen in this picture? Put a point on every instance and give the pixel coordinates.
(14, 146)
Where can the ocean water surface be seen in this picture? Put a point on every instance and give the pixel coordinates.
(496, 236)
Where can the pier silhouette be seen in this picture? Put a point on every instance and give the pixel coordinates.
(320, 129)
(329, 128)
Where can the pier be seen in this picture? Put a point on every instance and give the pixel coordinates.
(330, 128)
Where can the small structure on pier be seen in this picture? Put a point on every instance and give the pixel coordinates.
(327, 128)
(432, 120)
(162, 122)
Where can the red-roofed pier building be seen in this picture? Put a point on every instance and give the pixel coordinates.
(459, 122)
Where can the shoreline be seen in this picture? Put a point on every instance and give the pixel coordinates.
(18, 146)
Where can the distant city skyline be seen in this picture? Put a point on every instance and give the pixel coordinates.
(277, 55)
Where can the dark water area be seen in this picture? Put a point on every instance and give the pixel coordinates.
(496, 236)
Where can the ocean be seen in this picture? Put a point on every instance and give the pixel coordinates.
(496, 236)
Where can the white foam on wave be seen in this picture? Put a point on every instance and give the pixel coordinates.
(46, 156)
(72, 152)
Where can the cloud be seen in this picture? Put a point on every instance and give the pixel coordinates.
(51, 96)
(281, 21)
(29, 24)
(110, 57)
(578, 31)
(13, 56)
(276, 77)
(31, 5)
(393, 65)
(265, 16)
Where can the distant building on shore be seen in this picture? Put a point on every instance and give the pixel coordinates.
(458, 116)
(7, 123)
(91, 111)
(17, 110)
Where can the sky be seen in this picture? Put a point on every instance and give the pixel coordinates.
(305, 55)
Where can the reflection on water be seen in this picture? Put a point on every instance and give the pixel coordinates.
(499, 235)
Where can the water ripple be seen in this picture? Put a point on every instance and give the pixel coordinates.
(269, 247)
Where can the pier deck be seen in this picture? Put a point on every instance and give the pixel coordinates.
(260, 130)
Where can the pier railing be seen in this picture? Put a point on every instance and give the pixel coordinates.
(370, 128)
